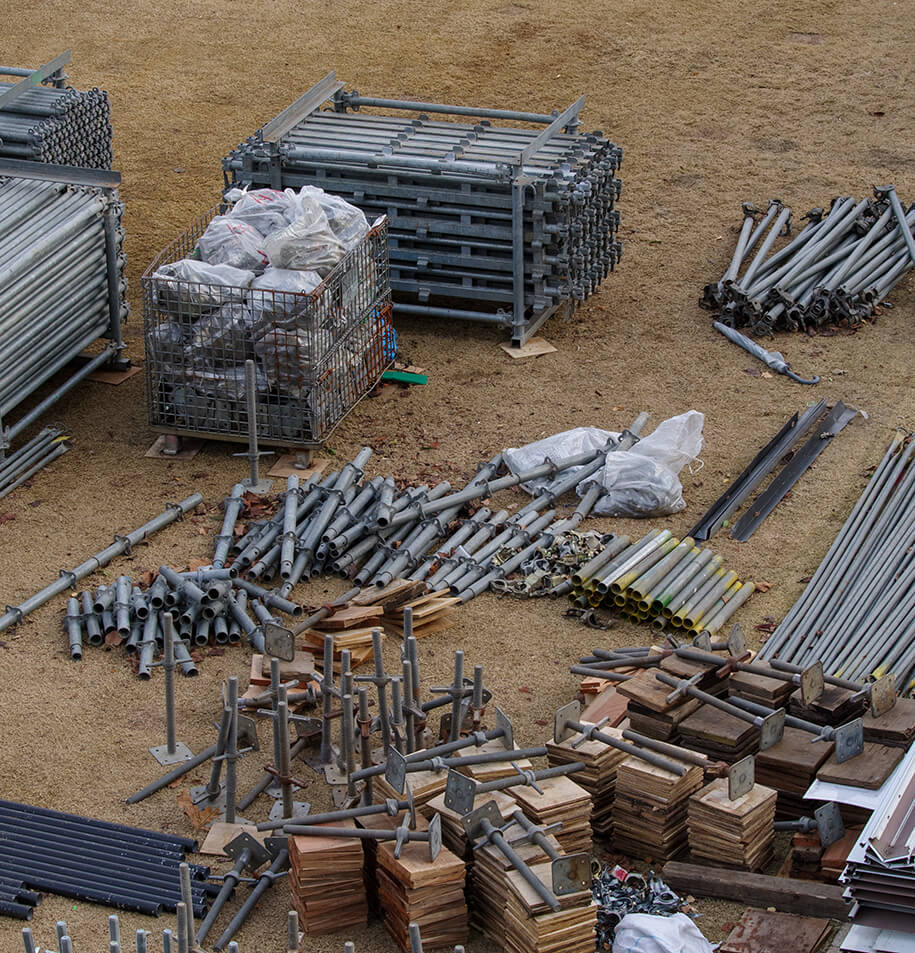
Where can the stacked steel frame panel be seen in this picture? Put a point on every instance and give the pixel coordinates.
(499, 224)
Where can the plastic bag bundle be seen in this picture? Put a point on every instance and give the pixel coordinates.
(307, 243)
(267, 210)
(235, 243)
(165, 346)
(648, 933)
(640, 482)
(222, 335)
(272, 297)
(289, 357)
(346, 221)
(196, 286)
(227, 383)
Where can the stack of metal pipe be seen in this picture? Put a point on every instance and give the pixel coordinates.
(59, 126)
(41, 450)
(836, 270)
(662, 580)
(62, 281)
(100, 862)
(489, 223)
(857, 614)
(207, 606)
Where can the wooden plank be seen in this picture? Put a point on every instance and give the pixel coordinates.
(868, 770)
(757, 890)
(351, 618)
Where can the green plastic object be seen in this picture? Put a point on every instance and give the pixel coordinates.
(405, 377)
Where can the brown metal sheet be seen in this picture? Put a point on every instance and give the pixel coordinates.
(761, 932)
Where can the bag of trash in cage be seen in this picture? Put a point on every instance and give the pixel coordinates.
(289, 356)
(307, 243)
(227, 383)
(346, 221)
(165, 347)
(267, 210)
(190, 287)
(223, 336)
(273, 295)
(235, 243)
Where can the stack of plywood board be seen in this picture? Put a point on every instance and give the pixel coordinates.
(650, 809)
(790, 766)
(531, 927)
(326, 881)
(719, 735)
(562, 802)
(730, 833)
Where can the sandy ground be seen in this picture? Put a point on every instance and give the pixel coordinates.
(714, 102)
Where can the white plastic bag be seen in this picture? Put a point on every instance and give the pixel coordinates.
(647, 933)
(267, 210)
(235, 243)
(307, 243)
(289, 357)
(640, 482)
(272, 296)
(223, 335)
(188, 285)
(227, 383)
(346, 221)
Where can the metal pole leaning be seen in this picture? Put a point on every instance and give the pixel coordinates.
(172, 751)
(233, 507)
(248, 854)
(184, 872)
(253, 483)
(122, 544)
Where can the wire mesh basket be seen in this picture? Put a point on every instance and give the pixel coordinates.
(316, 353)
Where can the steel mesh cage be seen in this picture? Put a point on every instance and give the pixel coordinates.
(316, 354)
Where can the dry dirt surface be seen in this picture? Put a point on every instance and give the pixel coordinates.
(714, 102)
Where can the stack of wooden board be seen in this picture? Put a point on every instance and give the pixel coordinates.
(425, 785)
(431, 610)
(867, 770)
(728, 833)
(326, 881)
(378, 822)
(721, 736)
(430, 893)
(709, 681)
(495, 769)
(531, 927)
(302, 667)
(649, 711)
(895, 728)
(562, 802)
(351, 628)
(650, 808)
(834, 707)
(771, 692)
(835, 856)
(790, 766)
(598, 777)
(453, 836)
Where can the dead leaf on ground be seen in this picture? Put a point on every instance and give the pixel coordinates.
(199, 819)
(762, 586)
(113, 640)
(148, 577)
(7, 517)
(194, 564)
(752, 371)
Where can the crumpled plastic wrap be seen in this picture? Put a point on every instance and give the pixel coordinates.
(267, 210)
(196, 286)
(346, 221)
(307, 243)
(648, 933)
(236, 243)
(165, 346)
(222, 335)
(272, 295)
(227, 383)
(640, 482)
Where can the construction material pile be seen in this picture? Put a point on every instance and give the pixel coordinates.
(855, 615)
(63, 126)
(62, 282)
(489, 223)
(836, 270)
(296, 283)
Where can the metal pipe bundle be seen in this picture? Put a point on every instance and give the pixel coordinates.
(25, 462)
(856, 613)
(100, 862)
(836, 270)
(62, 281)
(542, 201)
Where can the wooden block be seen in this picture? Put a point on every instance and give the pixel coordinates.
(285, 466)
(533, 347)
(895, 727)
(868, 770)
(188, 449)
(221, 833)
(394, 594)
(645, 689)
(352, 617)
(301, 666)
(113, 377)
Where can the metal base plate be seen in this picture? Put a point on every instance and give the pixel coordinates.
(460, 792)
(571, 874)
(883, 695)
(200, 799)
(849, 740)
(741, 777)
(772, 730)
(181, 753)
(260, 488)
(241, 821)
(279, 641)
(333, 775)
(568, 712)
(812, 684)
(737, 643)
(829, 823)
(299, 809)
(395, 772)
(473, 822)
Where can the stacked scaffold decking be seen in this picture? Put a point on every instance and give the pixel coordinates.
(53, 123)
(491, 223)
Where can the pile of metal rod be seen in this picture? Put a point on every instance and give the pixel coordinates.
(836, 270)
(488, 223)
(65, 944)
(55, 124)
(62, 282)
(661, 580)
(368, 532)
(22, 465)
(208, 606)
(857, 614)
(124, 867)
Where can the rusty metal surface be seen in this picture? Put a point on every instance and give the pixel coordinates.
(762, 932)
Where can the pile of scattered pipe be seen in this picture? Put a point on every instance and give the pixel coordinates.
(41, 450)
(62, 282)
(63, 126)
(488, 223)
(372, 534)
(208, 606)
(857, 614)
(836, 270)
(662, 580)
(124, 867)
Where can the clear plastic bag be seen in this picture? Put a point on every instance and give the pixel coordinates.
(272, 298)
(165, 346)
(223, 335)
(649, 933)
(307, 243)
(267, 210)
(639, 482)
(188, 285)
(346, 221)
(227, 383)
(289, 357)
(235, 243)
